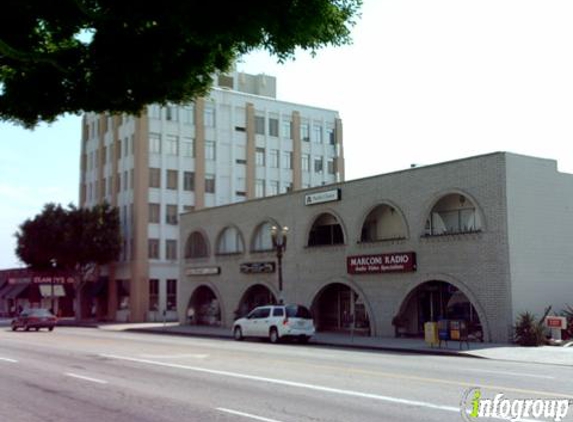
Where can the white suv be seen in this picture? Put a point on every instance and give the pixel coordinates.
(276, 322)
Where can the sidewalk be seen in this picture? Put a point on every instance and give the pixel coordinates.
(543, 355)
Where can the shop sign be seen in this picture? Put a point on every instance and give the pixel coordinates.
(198, 271)
(398, 262)
(321, 197)
(556, 322)
(257, 267)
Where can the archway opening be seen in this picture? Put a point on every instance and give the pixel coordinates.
(434, 301)
(204, 308)
(257, 295)
(338, 308)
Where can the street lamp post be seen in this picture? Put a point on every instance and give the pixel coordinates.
(54, 264)
(279, 238)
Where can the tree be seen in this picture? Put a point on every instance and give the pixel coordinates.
(75, 239)
(72, 56)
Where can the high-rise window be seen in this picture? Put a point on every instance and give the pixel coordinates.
(317, 133)
(259, 188)
(153, 294)
(172, 179)
(304, 132)
(172, 145)
(273, 127)
(260, 157)
(273, 188)
(330, 134)
(274, 158)
(209, 116)
(260, 125)
(171, 249)
(286, 131)
(154, 177)
(171, 294)
(330, 166)
(210, 153)
(305, 162)
(318, 166)
(171, 113)
(287, 160)
(154, 211)
(171, 214)
(187, 147)
(153, 248)
(210, 183)
(189, 181)
(187, 115)
(155, 143)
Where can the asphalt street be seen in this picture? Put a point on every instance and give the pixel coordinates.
(83, 374)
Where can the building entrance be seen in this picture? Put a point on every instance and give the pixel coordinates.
(204, 308)
(339, 308)
(257, 295)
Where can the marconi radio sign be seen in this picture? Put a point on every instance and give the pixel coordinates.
(398, 262)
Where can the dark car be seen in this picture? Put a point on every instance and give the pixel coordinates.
(34, 318)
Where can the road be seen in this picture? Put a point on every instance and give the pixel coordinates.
(85, 375)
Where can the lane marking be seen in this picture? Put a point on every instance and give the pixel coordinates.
(81, 377)
(8, 360)
(291, 384)
(246, 415)
(515, 374)
(195, 356)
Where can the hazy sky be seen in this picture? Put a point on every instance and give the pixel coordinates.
(425, 81)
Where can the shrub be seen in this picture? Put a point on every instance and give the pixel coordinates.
(528, 331)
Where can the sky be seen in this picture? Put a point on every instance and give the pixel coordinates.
(425, 81)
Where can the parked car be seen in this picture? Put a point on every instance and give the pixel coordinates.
(276, 322)
(34, 318)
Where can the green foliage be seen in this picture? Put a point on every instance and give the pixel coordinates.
(528, 331)
(76, 239)
(118, 56)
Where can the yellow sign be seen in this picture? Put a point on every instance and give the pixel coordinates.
(431, 333)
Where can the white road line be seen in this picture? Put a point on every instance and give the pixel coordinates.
(246, 415)
(8, 360)
(195, 356)
(515, 374)
(81, 377)
(291, 384)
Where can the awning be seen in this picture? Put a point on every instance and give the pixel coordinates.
(46, 290)
(16, 290)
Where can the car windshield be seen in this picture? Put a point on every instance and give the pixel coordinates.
(41, 312)
(295, 311)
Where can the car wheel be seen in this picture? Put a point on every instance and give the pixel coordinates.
(26, 328)
(274, 335)
(50, 328)
(238, 334)
(14, 328)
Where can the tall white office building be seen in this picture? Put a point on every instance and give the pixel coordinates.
(236, 144)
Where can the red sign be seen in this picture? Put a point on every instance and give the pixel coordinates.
(398, 262)
(556, 322)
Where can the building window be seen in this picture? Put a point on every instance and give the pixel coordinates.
(172, 147)
(210, 154)
(286, 131)
(383, 223)
(260, 125)
(171, 113)
(287, 160)
(154, 177)
(153, 294)
(305, 162)
(189, 181)
(317, 133)
(330, 134)
(171, 214)
(330, 165)
(259, 188)
(453, 214)
(274, 158)
(154, 111)
(172, 179)
(304, 132)
(187, 115)
(153, 249)
(287, 187)
(171, 249)
(188, 147)
(230, 241)
(154, 210)
(171, 294)
(154, 143)
(326, 230)
(260, 157)
(196, 246)
(262, 240)
(273, 127)
(273, 188)
(209, 117)
(318, 165)
(209, 183)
